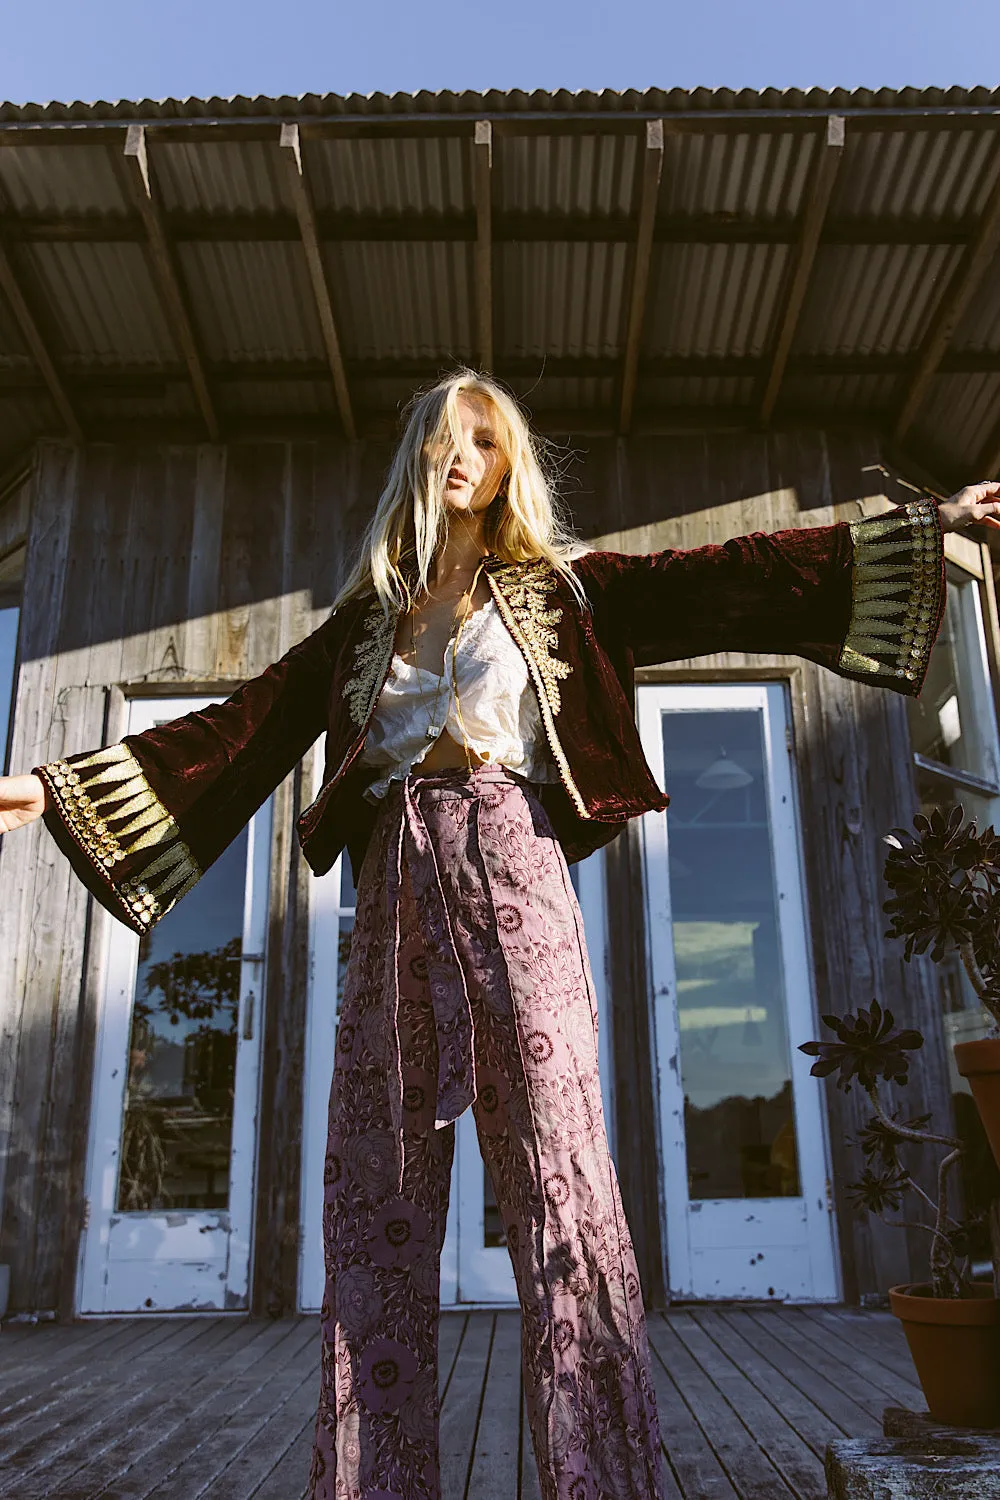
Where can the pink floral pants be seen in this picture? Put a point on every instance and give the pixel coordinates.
(468, 983)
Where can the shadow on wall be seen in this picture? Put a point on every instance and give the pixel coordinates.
(130, 541)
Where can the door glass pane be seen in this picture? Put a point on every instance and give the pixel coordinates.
(178, 1119)
(345, 924)
(8, 652)
(952, 720)
(494, 1234)
(735, 1070)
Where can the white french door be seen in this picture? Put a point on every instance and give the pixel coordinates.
(743, 1151)
(173, 1138)
(475, 1263)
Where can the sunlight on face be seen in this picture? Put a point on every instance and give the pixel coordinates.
(475, 475)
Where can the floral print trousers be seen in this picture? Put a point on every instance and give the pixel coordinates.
(468, 984)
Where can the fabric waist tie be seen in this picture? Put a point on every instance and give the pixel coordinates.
(453, 1024)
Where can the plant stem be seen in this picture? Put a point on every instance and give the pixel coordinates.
(904, 1132)
(972, 968)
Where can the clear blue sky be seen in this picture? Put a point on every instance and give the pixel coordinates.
(110, 49)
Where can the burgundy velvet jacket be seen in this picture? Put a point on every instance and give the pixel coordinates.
(142, 820)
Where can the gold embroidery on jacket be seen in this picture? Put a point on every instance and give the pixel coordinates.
(895, 586)
(526, 589)
(371, 659)
(523, 595)
(113, 814)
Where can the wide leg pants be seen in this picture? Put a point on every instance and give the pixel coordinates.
(468, 982)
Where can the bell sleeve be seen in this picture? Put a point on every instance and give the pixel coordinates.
(142, 820)
(864, 598)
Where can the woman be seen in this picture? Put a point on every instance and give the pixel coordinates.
(475, 684)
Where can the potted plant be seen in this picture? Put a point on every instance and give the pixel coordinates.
(952, 1323)
(946, 896)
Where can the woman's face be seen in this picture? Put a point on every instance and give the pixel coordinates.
(475, 475)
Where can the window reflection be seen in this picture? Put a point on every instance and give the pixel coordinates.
(951, 721)
(178, 1118)
(735, 1069)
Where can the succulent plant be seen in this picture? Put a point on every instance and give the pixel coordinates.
(945, 884)
(869, 1051)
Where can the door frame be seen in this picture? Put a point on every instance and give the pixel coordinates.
(810, 1115)
(113, 1022)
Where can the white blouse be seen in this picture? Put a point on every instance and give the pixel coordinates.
(499, 721)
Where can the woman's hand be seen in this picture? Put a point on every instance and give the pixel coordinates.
(977, 503)
(22, 800)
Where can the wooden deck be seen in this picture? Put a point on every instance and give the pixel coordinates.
(222, 1409)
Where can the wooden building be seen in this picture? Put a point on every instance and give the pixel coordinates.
(730, 313)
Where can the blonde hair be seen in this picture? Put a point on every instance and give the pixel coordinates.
(410, 522)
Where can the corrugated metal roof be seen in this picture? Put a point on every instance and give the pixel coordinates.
(396, 213)
(507, 101)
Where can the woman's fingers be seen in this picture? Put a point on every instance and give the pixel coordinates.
(22, 800)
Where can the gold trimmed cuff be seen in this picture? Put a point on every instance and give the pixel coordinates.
(121, 840)
(897, 594)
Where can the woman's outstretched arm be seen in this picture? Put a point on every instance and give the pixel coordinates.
(864, 598)
(140, 821)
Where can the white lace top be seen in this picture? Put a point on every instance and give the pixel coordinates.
(499, 708)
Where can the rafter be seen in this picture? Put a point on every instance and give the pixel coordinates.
(139, 380)
(508, 225)
(831, 150)
(161, 260)
(35, 340)
(649, 192)
(979, 255)
(305, 213)
(483, 274)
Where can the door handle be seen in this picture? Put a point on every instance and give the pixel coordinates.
(248, 1017)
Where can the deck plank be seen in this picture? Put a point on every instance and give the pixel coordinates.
(529, 1487)
(74, 1420)
(55, 1405)
(798, 1465)
(882, 1335)
(689, 1453)
(463, 1403)
(808, 1354)
(146, 1453)
(752, 1473)
(494, 1474)
(807, 1418)
(854, 1358)
(220, 1442)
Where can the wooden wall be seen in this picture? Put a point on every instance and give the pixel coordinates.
(181, 569)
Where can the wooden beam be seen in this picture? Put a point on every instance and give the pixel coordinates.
(483, 273)
(649, 192)
(509, 226)
(165, 276)
(33, 337)
(831, 151)
(979, 255)
(305, 213)
(740, 121)
(124, 379)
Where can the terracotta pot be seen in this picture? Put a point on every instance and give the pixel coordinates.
(955, 1345)
(979, 1062)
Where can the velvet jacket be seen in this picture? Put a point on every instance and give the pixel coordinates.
(142, 820)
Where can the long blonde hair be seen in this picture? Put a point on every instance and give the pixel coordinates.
(525, 521)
